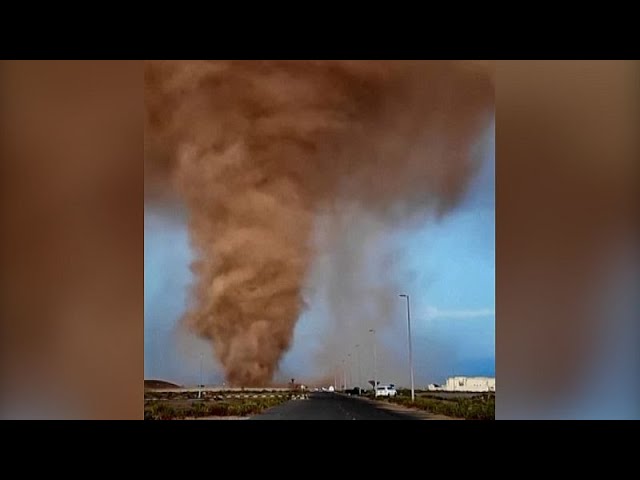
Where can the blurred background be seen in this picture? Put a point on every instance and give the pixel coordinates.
(566, 239)
(72, 239)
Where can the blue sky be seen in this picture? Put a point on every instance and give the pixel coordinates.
(456, 284)
(448, 267)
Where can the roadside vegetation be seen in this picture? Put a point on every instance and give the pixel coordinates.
(478, 407)
(179, 410)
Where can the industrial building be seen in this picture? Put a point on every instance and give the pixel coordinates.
(465, 384)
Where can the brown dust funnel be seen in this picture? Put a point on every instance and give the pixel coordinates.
(256, 149)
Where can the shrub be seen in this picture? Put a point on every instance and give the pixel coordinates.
(481, 407)
(211, 408)
(162, 411)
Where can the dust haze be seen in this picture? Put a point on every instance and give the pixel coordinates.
(259, 151)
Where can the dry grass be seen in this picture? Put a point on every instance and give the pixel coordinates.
(180, 408)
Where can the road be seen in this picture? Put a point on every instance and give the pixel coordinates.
(331, 406)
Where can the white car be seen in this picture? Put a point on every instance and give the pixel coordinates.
(386, 391)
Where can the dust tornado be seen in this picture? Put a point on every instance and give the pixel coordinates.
(258, 150)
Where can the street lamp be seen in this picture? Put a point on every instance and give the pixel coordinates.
(413, 395)
(201, 384)
(375, 378)
(359, 371)
(344, 376)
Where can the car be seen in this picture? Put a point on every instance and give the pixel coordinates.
(386, 391)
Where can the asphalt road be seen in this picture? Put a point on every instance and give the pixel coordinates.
(330, 406)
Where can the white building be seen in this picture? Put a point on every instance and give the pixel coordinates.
(469, 384)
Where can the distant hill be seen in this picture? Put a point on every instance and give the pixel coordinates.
(159, 384)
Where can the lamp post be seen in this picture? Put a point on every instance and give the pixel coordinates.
(375, 377)
(413, 395)
(201, 384)
(344, 376)
(359, 370)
